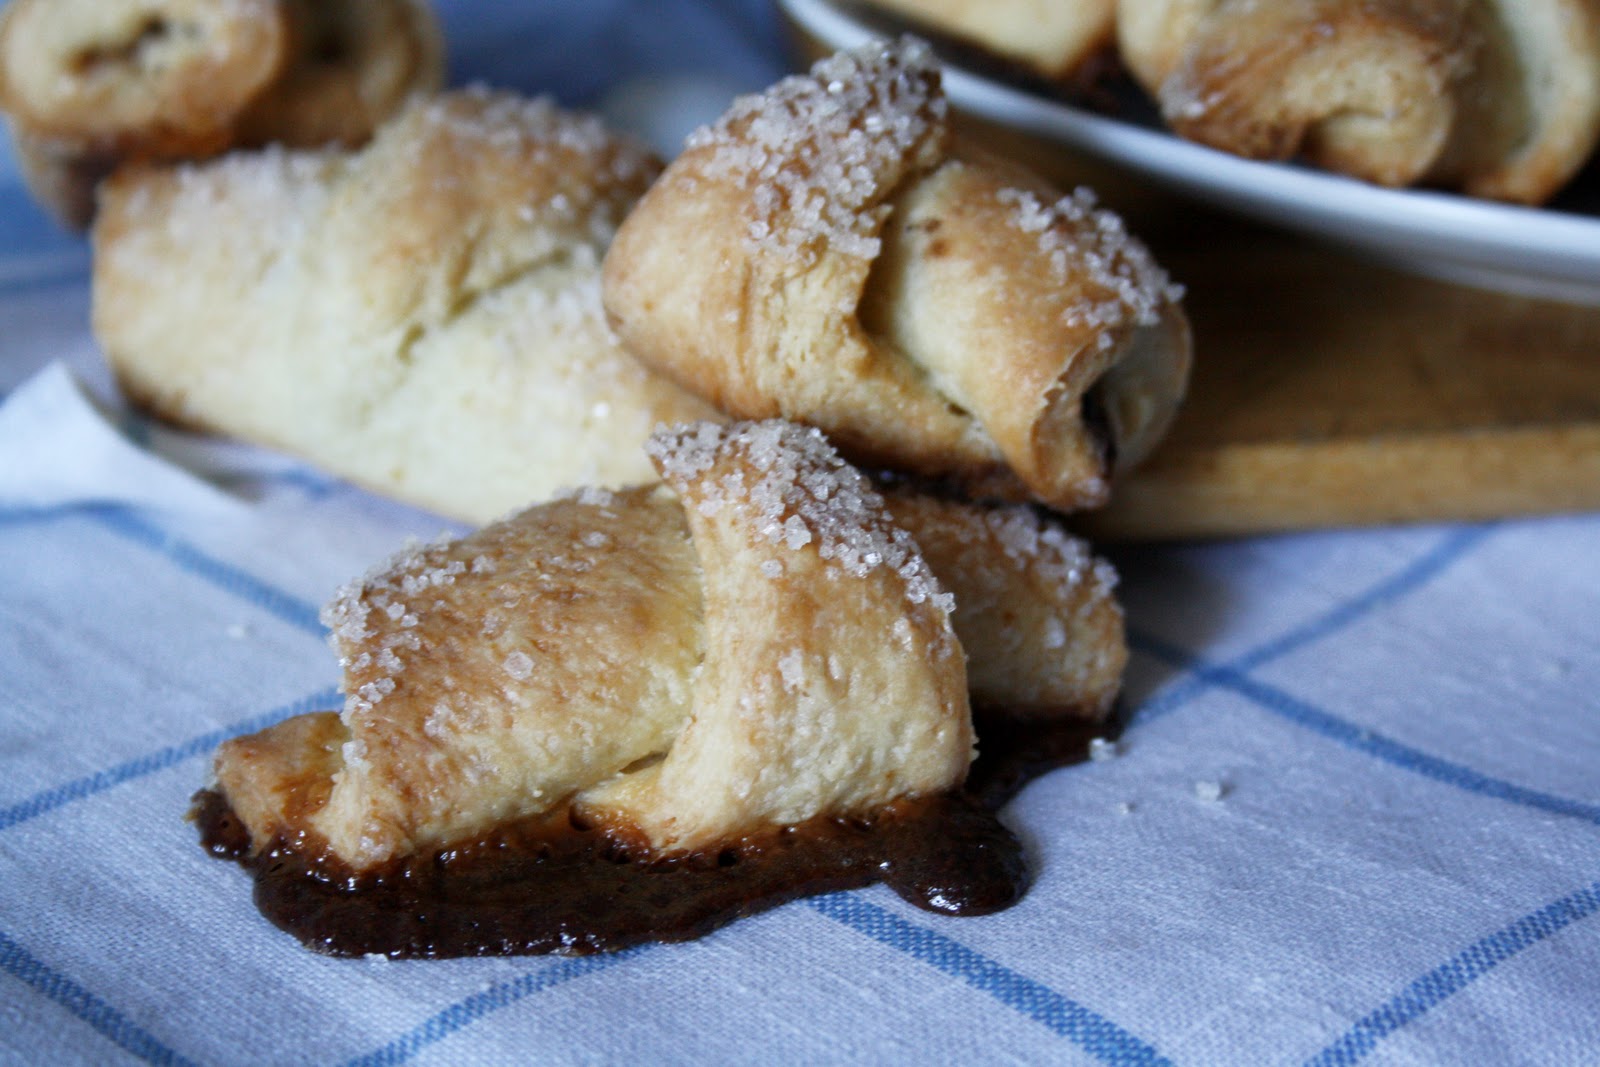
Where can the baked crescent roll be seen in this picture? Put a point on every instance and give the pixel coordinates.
(1499, 98)
(1049, 37)
(91, 83)
(821, 255)
(421, 316)
(758, 641)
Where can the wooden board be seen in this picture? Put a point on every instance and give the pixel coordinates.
(1329, 391)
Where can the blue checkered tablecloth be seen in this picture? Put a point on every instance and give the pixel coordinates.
(1355, 817)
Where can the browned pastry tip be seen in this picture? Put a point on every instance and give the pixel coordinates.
(822, 254)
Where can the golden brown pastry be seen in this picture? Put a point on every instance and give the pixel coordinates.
(421, 316)
(90, 83)
(757, 642)
(1499, 98)
(355, 63)
(1051, 37)
(821, 254)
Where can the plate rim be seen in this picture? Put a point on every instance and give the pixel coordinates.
(1508, 247)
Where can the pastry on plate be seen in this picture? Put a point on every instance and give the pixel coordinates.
(1052, 38)
(421, 315)
(89, 84)
(825, 253)
(745, 683)
(1498, 98)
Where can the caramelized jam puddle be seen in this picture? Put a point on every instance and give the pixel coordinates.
(552, 884)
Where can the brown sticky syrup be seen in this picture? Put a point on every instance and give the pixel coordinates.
(552, 884)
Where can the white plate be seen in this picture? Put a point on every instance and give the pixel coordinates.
(1534, 252)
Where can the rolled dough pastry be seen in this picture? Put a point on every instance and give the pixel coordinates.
(421, 316)
(89, 84)
(759, 641)
(822, 254)
(1499, 98)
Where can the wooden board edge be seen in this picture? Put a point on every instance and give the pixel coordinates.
(1251, 489)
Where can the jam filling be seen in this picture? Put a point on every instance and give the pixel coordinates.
(551, 883)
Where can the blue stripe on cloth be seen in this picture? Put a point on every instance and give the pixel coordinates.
(1361, 739)
(1099, 1037)
(121, 521)
(1096, 1035)
(118, 1028)
(475, 1007)
(68, 271)
(1450, 548)
(224, 576)
(1455, 975)
(143, 766)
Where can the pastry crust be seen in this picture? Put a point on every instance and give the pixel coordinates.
(491, 678)
(832, 681)
(1035, 609)
(1051, 38)
(1555, 47)
(89, 84)
(421, 316)
(139, 76)
(760, 643)
(1499, 98)
(821, 255)
(356, 63)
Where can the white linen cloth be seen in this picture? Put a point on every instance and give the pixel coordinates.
(1355, 818)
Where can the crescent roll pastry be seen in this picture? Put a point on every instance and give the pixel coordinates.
(1049, 37)
(1499, 98)
(757, 642)
(820, 254)
(91, 83)
(421, 316)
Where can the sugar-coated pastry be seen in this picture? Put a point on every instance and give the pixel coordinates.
(1499, 98)
(821, 254)
(757, 642)
(89, 84)
(1053, 38)
(1034, 609)
(421, 316)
